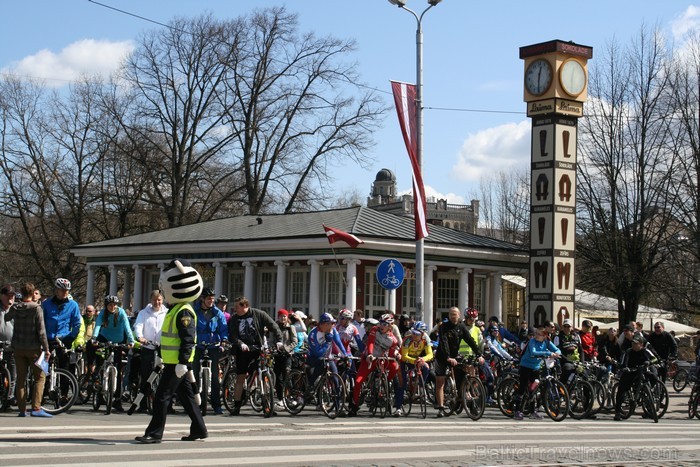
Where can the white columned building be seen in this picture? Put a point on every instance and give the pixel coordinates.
(314, 288)
(463, 297)
(138, 287)
(496, 296)
(428, 295)
(112, 279)
(90, 289)
(281, 286)
(218, 278)
(351, 286)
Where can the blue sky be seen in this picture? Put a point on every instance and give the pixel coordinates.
(470, 63)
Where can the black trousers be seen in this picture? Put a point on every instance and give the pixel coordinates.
(170, 385)
(147, 361)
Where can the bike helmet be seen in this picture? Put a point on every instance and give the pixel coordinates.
(493, 328)
(420, 326)
(222, 298)
(387, 318)
(111, 299)
(345, 314)
(472, 313)
(63, 284)
(208, 292)
(370, 322)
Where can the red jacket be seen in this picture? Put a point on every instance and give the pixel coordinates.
(588, 344)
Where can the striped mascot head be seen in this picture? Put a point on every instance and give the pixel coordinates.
(180, 282)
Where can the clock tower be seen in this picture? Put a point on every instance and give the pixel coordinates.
(555, 88)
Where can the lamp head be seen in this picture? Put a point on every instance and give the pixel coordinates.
(433, 2)
(399, 3)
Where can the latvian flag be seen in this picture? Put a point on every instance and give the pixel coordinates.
(335, 235)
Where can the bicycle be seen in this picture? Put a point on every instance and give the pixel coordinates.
(472, 393)
(581, 393)
(379, 394)
(639, 394)
(415, 392)
(5, 381)
(61, 387)
(694, 401)
(259, 385)
(108, 377)
(328, 389)
(550, 393)
(151, 383)
(684, 377)
(205, 375)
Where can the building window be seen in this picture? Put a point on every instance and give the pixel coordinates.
(447, 292)
(374, 295)
(208, 275)
(335, 291)
(235, 284)
(298, 290)
(267, 282)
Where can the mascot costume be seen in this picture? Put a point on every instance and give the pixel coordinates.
(180, 285)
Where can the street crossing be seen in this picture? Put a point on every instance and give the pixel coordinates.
(252, 440)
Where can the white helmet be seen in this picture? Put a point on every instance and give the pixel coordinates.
(180, 282)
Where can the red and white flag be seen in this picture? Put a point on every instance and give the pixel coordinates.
(335, 235)
(405, 99)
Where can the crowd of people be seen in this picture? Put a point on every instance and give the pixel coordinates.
(35, 326)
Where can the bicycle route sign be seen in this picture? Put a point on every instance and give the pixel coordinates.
(390, 274)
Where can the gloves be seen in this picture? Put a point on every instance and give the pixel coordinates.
(370, 358)
(244, 348)
(180, 370)
(280, 346)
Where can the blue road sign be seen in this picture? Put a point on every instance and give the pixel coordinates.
(390, 274)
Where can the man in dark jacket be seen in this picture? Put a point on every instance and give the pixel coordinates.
(283, 359)
(247, 330)
(665, 346)
(28, 341)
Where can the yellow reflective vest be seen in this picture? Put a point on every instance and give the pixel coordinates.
(475, 332)
(170, 340)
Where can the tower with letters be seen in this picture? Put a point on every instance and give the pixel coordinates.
(555, 83)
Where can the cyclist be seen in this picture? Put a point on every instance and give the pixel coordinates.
(633, 357)
(496, 347)
(222, 304)
(665, 346)
(381, 342)
(211, 329)
(112, 325)
(570, 345)
(358, 320)
(589, 346)
(7, 299)
(283, 359)
(247, 334)
(608, 349)
(470, 316)
(349, 334)
(450, 334)
(62, 320)
(324, 340)
(530, 364)
(416, 351)
(368, 324)
(505, 333)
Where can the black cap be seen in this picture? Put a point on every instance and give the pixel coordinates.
(494, 318)
(208, 292)
(638, 338)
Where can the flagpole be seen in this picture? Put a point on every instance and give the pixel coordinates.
(340, 270)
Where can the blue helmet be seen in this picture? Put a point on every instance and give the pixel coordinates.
(420, 326)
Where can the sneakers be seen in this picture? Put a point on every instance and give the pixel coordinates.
(617, 417)
(441, 412)
(536, 415)
(40, 413)
(218, 411)
(22, 414)
(236, 410)
(490, 402)
(518, 416)
(398, 412)
(352, 410)
(279, 405)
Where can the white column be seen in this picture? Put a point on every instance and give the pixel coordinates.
(281, 286)
(387, 299)
(463, 297)
(428, 295)
(138, 287)
(218, 278)
(126, 300)
(112, 279)
(314, 288)
(249, 280)
(496, 305)
(90, 286)
(351, 289)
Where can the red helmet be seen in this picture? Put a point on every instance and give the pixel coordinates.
(472, 313)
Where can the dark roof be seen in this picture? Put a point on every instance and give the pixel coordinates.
(359, 220)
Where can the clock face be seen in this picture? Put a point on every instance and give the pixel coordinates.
(572, 77)
(538, 77)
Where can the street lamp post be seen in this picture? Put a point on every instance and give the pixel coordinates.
(420, 279)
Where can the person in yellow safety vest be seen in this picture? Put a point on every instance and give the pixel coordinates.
(470, 317)
(181, 285)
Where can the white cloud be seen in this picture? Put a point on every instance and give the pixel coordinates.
(432, 193)
(686, 22)
(86, 57)
(491, 150)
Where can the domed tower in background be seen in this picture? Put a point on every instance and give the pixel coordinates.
(383, 197)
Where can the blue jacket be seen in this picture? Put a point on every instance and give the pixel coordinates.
(62, 320)
(117, 334)
(321, 345)
(212, 330)
(505, 334)
(535, 349)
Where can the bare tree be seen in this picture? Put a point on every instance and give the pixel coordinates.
(505, 205)
(289, 114)
(626, 191)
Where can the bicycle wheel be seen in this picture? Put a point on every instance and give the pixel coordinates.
(648, 403)
(254, 392)
(409, 394)
(266, 395)
(331, 394)
(377, 398)
(111, 388)
(430, 391)
(680, 380)
(451, 396)
(204, 392)
(628, 401)
(85, 388)
(64, 392)
(581, 399)
(600, 398)
(556, 399)
(5, 395)
(694, 402)
(506, 391)
(228, 388)
(660, 394)
(473, 396)
(293, 391)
